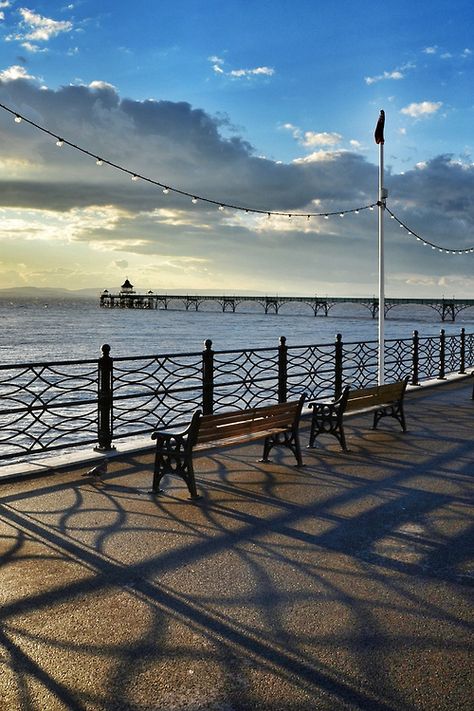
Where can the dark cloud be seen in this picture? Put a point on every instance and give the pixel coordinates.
(184, 147)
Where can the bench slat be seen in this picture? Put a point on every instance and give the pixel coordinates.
(251, 413)
(212, 430)
(238, 439)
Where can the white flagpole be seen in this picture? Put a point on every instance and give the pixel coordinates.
(381, 205)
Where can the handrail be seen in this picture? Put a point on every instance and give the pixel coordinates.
(47, 406)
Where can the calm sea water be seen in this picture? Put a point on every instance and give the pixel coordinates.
(34, 330)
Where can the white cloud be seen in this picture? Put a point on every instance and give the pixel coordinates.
(33, 48)
(100, 85)
(318, 156)
(215, 59)
(15, 72)
(40, 28)
(268, 71)
(396, 74)
(218, 62)
(320, 139)
(431, 50)
(422, 108)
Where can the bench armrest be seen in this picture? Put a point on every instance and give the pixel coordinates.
(340, 402)
(164, 437)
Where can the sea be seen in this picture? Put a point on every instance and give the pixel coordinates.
(36, 330)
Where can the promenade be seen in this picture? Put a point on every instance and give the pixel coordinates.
(343, 585)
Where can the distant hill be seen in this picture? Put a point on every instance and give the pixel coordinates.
(42, 293)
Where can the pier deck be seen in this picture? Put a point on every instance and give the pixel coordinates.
(342, 585)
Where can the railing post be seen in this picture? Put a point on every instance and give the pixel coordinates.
(442, 354)
(338, 366)
(415, 359)
(105, 401)
(282, 370)
(462, 368)
(207, 378)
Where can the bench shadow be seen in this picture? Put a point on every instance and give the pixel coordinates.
(281, 575)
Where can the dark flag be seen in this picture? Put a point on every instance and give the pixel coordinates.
(378, 135)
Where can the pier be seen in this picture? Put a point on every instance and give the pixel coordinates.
(128, 298)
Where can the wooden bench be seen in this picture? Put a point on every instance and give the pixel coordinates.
(277, 425)
(382, 400)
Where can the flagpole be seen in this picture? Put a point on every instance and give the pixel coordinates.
(381, 372)
(382, 195)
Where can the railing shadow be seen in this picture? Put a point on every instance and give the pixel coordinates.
(284, 588)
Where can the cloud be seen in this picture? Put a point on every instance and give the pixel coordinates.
(431, 50)
(421, 109)
(396, 75)
(217, 66)
(38, 28)
(311, 138)
(267, 71)
(33, 48)
(14, 73)
(59, 195)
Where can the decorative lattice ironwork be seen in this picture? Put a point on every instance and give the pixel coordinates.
(245, 378)
(451, 354)
(154, 392)
(311, 370)
(47, 406)
(360, 364)
(428, 360)
(398, 359)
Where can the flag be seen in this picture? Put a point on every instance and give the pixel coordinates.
(378, 135)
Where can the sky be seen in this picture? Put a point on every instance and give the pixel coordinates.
(267, 106)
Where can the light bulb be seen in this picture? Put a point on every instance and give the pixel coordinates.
(371, 207)
(166, 191)
(194, 200)
(356, 212)
(17, 119)
(135, 178)
(99, 161)
(221, 208)
(60, 143)
(341, 214)
(326, 217)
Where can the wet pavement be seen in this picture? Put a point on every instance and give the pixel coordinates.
(346, 584)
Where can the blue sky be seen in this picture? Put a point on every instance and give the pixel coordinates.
(269, 105)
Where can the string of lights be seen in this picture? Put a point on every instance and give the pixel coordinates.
(427, 243)
(166, 189)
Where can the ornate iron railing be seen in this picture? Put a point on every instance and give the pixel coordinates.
(52, 406)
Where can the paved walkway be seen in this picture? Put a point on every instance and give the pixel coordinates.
(342, 585)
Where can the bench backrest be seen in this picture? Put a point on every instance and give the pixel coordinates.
(240, 422)
(376, 395)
